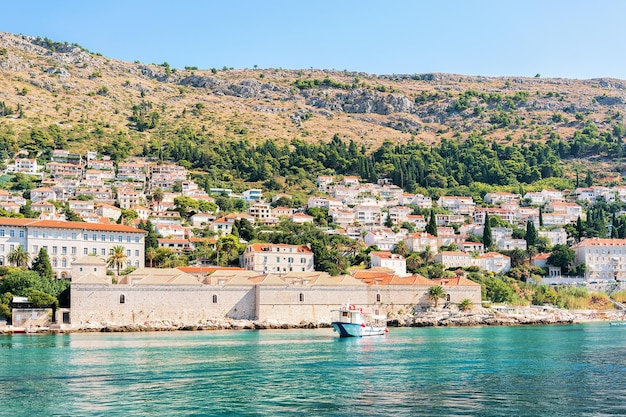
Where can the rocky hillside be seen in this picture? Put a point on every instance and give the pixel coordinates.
(43, 83)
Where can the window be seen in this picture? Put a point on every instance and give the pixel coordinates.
(94, 237)
(35, 233)
(54, 250)
(111, 238)
(21, 233)
(35, 248)
(119, 238)
(302, 260)
(122, 299)
(127, 239)
(64, 250)
(73, 236)
(94, 251)
(103, 238)
(11, 247)
(278, 259)
(136, 239)
(301, 297)
(73, 250)
(378, 298)
(2, 247)
(136, 252)
(63, 263)
(127, 252)
(214, 298)
(85, 251)
(1, 232)
(85, 236)
(55, 263)
(290, 260)
(103, 252)
(12, 233)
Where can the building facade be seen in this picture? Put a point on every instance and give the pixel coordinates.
(277, 258)
(65, 241)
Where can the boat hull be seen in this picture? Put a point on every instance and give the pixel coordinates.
(357, 330)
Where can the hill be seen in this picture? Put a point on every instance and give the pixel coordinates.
(61, 95)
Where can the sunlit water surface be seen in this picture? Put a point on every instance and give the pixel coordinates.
(577, 370)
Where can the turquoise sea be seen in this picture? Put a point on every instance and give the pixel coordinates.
(574, 370)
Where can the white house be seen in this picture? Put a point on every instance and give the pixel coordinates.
(278, 258)
(393, 261)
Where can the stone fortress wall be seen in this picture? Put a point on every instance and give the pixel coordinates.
(95, 301)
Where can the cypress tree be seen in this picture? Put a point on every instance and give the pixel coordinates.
(487, 238)
(431, 227)
(579, 228)
(42, 266)
(531, 234)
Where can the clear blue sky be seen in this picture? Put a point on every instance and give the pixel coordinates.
(555, 38)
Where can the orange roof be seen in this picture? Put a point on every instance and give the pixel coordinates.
(601, 242)
(453, 282)
(258, 247)
(60, 224)
(207, 269)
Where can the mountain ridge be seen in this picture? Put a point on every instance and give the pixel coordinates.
(91, 97)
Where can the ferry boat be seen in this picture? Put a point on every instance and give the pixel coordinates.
(358, 322)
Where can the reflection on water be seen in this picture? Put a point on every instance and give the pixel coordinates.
(518, 371)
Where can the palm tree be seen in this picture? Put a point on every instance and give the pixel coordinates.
(435, 293)
(151, 254)
(18, 256)
(465, 304)
(402, 249)
(414, 261)
(117, 259)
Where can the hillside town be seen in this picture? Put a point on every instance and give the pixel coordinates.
(109, 201)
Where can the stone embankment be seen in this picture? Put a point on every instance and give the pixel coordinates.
(429, 318)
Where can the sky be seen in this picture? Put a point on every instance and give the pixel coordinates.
(554, 38)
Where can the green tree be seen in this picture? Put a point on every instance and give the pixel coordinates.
(18, 257)
(41, 265)
(562, 256)
(435, 293)
(531, 234)
(151, 253)
(465, 304)
(431, 227)
(117, 258)
(157, 196)
(226, 248)
(487, 237)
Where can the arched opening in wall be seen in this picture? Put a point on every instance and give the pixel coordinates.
(448, 297)
(378, 298)
(214, 298)
(63, 275)
(301, 297)
(122, 299)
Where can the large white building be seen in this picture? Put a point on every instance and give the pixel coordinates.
(65, 241)
(605, 258)
(278, 258)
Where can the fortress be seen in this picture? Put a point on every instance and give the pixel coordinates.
(150, 295)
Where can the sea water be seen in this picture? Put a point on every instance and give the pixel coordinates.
(573, 370)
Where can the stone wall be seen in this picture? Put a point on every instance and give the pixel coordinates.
(94, 304)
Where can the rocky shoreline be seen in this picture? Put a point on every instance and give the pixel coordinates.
(441, 318)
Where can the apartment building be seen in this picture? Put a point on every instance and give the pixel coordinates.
(266, 258)
(67, 241)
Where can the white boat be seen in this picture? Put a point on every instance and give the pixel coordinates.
(358, 322)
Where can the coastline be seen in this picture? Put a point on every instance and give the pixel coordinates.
(431, 318)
